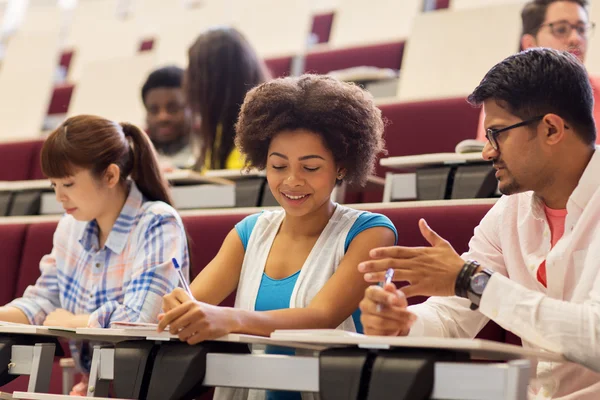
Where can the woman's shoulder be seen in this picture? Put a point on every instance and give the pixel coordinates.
(157, 211)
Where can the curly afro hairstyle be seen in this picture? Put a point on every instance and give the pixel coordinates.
(342, 113)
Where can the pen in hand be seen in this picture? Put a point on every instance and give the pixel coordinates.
(182, 279)
(389, 274)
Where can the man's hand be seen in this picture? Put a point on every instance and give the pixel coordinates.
(430, 271)
(384, 313)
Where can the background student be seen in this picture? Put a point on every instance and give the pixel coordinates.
(222, 68)
(168, 120)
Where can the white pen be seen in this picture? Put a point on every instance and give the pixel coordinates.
(182, 279)
(389, 274)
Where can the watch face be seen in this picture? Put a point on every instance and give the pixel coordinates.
(478, 283)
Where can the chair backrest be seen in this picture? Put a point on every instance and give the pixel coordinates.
(276, 28)
(17, 160)
(360, 22)
(383, 55)
(434, 126)
(35, 169)
(111, 89)
(11, 242)
(37, 243)
(26, 81)
(449, 52)
(207, 233)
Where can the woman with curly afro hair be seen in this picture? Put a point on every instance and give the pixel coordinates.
(293, 268)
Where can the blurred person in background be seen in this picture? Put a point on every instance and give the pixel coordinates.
(168, 120)
(222, 68)
(560, 25)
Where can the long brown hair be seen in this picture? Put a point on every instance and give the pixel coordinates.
(94, 143)
(223, 67)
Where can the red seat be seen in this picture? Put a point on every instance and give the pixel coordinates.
(12, 238)
(16, 160)
(321, 26)
(279, 67)
(38, 242)
(61, 98)
(387, 55)
(207, 233)
(35, 169)
(424, 127)
(146, 44)
(428, 126)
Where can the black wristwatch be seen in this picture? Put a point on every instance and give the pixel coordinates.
(471, 284)
(477, 285)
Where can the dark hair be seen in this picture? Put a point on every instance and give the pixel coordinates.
(534, 14)
(342, 113)
(166, 77)
(94, 143)
(222, 68)
(540, 81)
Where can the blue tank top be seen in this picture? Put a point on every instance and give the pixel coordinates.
(275, 294)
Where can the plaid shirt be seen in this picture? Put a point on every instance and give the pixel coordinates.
(123, 281)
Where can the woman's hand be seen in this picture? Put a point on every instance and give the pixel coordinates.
(193, 321)
(66, 319)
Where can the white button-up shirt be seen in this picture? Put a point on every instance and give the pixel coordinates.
(513, 239)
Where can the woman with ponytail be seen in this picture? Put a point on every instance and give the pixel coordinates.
(112, 251)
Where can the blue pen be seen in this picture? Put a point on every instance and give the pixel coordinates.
(389, 274)
(182, 279)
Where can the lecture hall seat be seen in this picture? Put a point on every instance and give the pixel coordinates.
(16, 160)
(382, 55)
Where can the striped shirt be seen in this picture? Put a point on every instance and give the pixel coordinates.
(123, 281)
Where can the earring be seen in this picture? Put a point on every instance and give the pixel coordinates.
(340, 177)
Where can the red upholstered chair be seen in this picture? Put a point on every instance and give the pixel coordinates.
(38, 242)
(453, 223)
(279, 67)
(16, 160)
(321, 26)
(35, 169)
(207, 233)
(12, 238)
(61, 98)
(428, 126)
(424, 127)
(146, 44)
(387, 55)
(441, 4)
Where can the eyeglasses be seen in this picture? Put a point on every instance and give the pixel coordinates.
(492, 134)
(563, 29)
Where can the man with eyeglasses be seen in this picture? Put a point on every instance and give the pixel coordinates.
(533, 264)
(561, 25)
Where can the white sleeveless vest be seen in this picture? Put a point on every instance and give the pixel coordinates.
(319, 266)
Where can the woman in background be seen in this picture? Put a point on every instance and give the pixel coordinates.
(222, 68)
